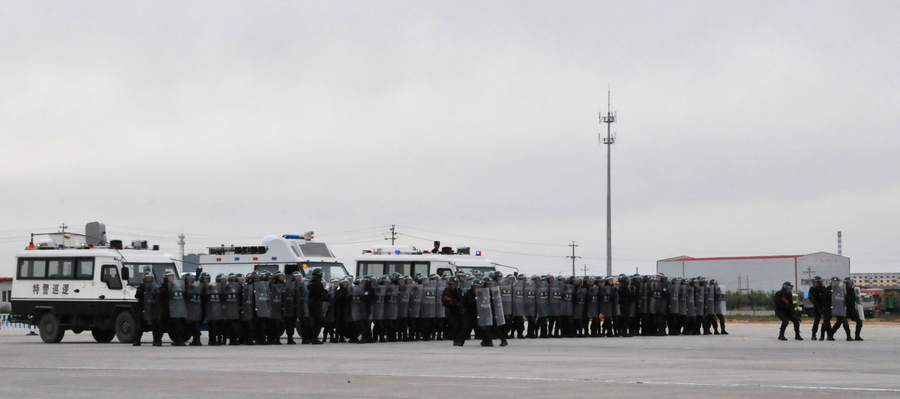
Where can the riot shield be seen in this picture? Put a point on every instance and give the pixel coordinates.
(699, 298)
(543, 300)
(231, 306)
(578, 309)
(567, 302)
(380, 299)
(439, 310)
(838, 301)
(673, 299)
(263, 296)
(249, 297)
(151, 302)
(357, 307)
(213, 302)
(606, 301)
(720, 300)
(710, 300)
(391, 301)
(518, 308)
(415, 301)
(689, 298)
(530, 299)
(303, 299)
(195, 304)
(555, 293)
(276, 299)
(593, 303)
(177, 305)
(483, 301)
(402, 301)
(497, 303)
(429, 300)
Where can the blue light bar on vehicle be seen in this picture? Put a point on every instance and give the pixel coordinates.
(291, 236)
(477, 253)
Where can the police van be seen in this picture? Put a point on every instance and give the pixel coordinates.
(408, 260)
(80, 282)
(288, 253)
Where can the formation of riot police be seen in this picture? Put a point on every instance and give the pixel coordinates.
(263, 307)
(837, 301)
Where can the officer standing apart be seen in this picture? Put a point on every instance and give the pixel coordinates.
(784, 309)
(151, 313)
(451, 298)
(317, 296)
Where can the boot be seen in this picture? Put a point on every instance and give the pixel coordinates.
(136, 343)
(858, 338)
(781, 335)
(290, 341)
(503, 342)
(196, 343)
(797, 336)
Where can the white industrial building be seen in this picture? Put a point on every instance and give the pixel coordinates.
(766, 273)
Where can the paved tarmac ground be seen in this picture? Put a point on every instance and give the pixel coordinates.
(748, 363)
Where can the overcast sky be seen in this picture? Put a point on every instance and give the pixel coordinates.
(744, 128)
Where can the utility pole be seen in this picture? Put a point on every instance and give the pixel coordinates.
(393, 235)
(63, 227)
(609, 119)
(573, 257)
(585, 269)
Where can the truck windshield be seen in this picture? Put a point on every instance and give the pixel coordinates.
(136, 271)
(472, 269)
(330, 270)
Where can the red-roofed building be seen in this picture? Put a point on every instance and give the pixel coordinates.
(758, 272)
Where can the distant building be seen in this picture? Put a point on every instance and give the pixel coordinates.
(876, 279)
(765, 273)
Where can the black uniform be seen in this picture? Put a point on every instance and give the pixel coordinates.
(452, 300)
(317, 296)
(816, 293)
(784, 309)
(151, 314)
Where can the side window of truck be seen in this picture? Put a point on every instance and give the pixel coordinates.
(110, 276)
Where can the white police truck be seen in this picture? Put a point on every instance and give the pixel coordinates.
(80, 282)
(288, 253)
(408, 260)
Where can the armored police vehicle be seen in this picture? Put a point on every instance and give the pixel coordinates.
(80, 282)
(288, 253)
(407, 260)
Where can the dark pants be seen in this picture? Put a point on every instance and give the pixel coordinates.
(156, 328)
(785, 319)
(177, 330)
(193, 329)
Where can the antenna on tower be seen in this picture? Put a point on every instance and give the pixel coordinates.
(609, 119)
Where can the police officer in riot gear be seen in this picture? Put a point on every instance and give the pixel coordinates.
(851, 312)
(451, 299)
(148, 297)
(212, 307)
(193, 297)
(317, 297)
(816, 296)
(784, 309)
(174, 308)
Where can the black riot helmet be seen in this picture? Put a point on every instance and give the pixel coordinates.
(787, 284)
(453, 280)
(317, 273)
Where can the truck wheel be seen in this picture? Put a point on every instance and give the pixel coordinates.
(126, 328)
(103, 336)
(51, 332)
